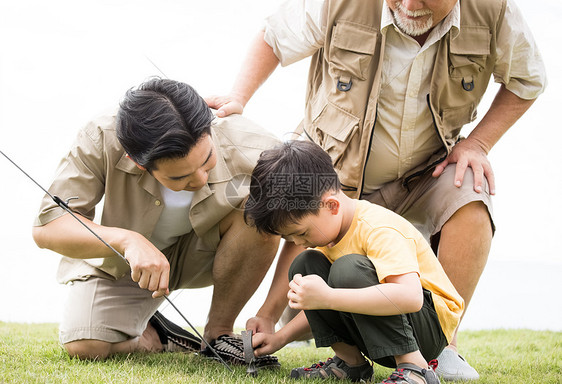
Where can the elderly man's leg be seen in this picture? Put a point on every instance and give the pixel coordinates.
(464, 247)
(243, 258)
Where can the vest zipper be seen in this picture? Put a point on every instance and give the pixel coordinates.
(368, 154)
(346, 188)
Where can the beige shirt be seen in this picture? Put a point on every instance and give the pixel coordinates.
(404, 136)
(97, 167)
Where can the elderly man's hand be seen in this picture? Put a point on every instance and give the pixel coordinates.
(225, 105)
(469, 153)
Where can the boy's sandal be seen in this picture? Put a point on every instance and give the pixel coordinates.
(334, 368)
(404, 373)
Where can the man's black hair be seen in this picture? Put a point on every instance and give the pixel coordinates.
(161, 119)
(287, 184)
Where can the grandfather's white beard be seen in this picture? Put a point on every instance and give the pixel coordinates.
(409, 26)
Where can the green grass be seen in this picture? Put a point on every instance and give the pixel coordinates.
(30, 353)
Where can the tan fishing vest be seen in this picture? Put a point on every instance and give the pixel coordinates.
(345, 74)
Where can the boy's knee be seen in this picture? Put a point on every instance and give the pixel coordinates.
(352, 271)
(88, 349)
(306, 263)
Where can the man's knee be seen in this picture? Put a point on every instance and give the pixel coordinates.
(353, 271)
(88, 349)
(474, 217)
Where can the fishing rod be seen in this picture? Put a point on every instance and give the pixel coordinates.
(65, 205)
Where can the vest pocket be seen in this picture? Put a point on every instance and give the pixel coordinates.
(469, 51)
(333, 129)
(454, 119)
(351, 48)
(466, 66)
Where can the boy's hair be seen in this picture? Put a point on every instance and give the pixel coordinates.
(287, 184)
(161, 119)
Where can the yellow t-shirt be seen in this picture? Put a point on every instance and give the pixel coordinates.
(396, 247)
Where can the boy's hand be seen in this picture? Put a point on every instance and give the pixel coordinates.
(308, 292)
(266, 343)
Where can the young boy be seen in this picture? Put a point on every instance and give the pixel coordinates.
(372, 288)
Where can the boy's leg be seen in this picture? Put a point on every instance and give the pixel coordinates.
(327, 327)
(329, 330)
(383, 337)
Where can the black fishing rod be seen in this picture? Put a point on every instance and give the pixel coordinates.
(65, 205)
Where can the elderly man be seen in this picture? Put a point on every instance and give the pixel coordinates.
(172, 179)
(390, 86)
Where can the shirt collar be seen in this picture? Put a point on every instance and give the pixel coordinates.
(220, 172)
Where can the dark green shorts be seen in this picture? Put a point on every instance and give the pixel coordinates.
(380, 338)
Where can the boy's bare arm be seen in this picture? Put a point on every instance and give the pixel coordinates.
(266, 344)
(399, 294)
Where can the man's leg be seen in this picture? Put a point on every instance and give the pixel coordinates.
(242, 259)
(104, 316)
(464, 246)
(97, 349)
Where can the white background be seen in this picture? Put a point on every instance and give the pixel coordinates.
(63, 62)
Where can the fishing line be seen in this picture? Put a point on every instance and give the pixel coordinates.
(64, 205)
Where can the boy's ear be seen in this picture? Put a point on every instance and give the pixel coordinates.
(333, 204)
(137, 164)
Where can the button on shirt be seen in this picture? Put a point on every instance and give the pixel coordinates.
(404, 136)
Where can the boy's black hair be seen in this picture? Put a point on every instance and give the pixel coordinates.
(287, 184)
(161, 119)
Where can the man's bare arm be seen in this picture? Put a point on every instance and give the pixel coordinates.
(259, 64)
(64, 235)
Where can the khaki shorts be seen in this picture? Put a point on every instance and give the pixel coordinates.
(429, 202)
(117, 310)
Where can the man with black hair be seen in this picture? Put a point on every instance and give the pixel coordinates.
(172, 179)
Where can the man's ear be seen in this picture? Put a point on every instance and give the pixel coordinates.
(333, 204)
(137, 164)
